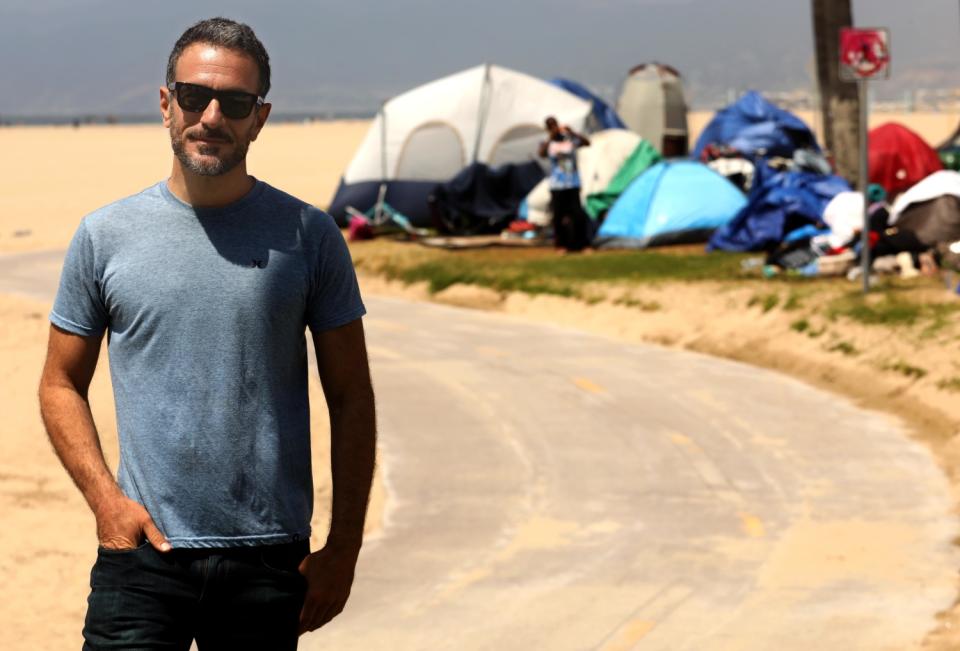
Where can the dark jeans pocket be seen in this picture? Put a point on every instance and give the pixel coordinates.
(129, 550)
(284, 558)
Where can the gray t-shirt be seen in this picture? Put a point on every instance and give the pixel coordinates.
(206, 311)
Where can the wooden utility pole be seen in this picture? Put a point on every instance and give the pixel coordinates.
(839, 104)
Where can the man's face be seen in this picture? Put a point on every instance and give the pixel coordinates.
(553, 129)
(207, 142)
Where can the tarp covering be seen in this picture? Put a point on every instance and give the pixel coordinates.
(932, 222)
(752, 124)
(672, 202)
(779, 202)
(481, 199)
(597, 164)
(899, 158)
(640, 160)
(604, 116)
(938, 184)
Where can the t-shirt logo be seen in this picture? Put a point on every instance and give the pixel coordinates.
(259, 264)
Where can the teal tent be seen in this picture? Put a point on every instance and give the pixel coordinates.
(673, 202)
(642, 157)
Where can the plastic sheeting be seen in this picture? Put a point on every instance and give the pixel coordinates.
(779, 202)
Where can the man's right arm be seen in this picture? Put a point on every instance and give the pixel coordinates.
(71, 362)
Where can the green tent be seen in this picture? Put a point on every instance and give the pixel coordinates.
(645, 155)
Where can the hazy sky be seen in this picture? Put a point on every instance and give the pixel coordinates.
(108, 56)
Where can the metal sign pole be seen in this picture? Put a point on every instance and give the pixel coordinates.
(864, 54)
(864, 182)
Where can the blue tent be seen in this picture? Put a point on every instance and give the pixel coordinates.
(779, 203)
(752, 124)
(673, 202)
(605, 116)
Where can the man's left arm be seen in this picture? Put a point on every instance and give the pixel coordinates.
(345, 376)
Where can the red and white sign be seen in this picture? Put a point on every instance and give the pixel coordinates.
(864, 54)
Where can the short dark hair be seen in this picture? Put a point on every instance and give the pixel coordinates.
(227, 33)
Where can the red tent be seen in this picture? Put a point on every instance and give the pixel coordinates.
(899, 158)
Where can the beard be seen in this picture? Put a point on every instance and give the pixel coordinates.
(210, 163)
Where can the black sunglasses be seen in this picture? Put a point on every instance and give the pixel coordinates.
(234, 104)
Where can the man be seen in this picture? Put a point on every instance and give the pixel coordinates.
(205, 284)
(570, 221)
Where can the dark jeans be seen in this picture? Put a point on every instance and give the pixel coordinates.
(237, 598)
(570, 227)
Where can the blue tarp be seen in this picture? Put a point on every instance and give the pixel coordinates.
(779, 203)
(673, 202)
(605, 116)
(752, 124)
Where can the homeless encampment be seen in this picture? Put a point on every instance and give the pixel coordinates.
(899, 158)
(425, 136)
(673, 202)
(779, 202)
(482, 199)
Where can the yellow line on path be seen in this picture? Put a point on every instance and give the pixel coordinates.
(629, 635)
(588, 386)
(752, 525)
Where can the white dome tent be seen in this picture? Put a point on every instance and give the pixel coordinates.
(485, 114)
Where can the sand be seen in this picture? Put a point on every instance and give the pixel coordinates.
(51, 176)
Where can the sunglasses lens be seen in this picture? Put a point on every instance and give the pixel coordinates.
(193, 98)
(237, 106)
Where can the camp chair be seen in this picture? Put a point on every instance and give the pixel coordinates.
(385, 219)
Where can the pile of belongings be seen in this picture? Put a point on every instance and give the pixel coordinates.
(779, 203)
(830, 247)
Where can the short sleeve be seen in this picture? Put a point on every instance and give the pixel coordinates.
(79, 306)
(334, 297)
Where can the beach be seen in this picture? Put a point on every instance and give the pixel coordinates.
(51, 177)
